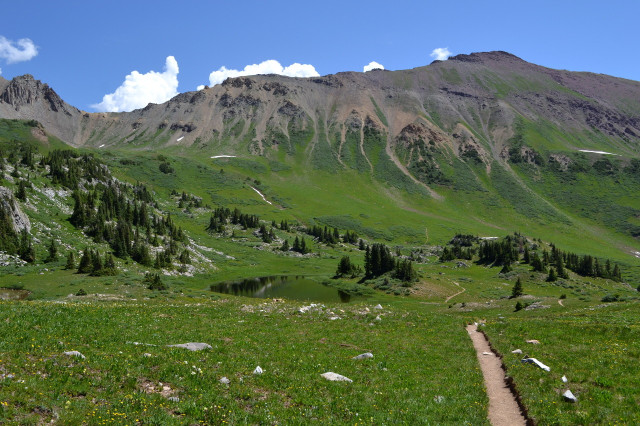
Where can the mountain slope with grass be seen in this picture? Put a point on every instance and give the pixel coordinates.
(115, 252)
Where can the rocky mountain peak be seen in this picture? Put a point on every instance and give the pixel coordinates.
(26, 90)
(484, 57)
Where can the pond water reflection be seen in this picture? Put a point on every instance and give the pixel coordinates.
(285, 287)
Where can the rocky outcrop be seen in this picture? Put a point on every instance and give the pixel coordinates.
(19, 220)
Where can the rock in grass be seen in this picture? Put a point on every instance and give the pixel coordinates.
(258, 370)
(536, 362)
(174, 399)
(334, 377)
(569, 396)
(363, 356)
(192, 346)
(74, 353)
(378, 306)
(517, 351)
(224, 381)
(564, 379)
(533, 341)
(147, 355)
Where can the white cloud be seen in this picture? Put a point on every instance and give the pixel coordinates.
(138, 90)
(19, 51)
(440, 53)
(270, 66)
(373, 65)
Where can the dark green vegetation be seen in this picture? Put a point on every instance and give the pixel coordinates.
(363, 199)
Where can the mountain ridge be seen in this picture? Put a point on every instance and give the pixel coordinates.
(480, 109)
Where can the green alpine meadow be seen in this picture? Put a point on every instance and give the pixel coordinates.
(288, 250)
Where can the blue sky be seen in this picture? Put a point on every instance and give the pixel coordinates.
(86, 49)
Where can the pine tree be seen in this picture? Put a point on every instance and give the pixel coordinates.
(96, 264)
(552, 275)
(562, 272)
(527, 256)
(185, 258)
(53, 252)
(109, 261)
(616, 276)
(368, 265)
(361, 245)
(285, 246)
(26, 250)
(71, 262)
(517, 289)
(537, 264)
(86, 262)
(345, 267)
(21, 193)
(506, 268)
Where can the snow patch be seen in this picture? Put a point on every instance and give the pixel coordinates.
(180, 138)
(598, 152)
(260, 194)
(101, 146)
(224, 156)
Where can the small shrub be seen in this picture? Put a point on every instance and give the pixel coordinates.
(610, 298)
(81, 292)
(563, 296)
(519, 306)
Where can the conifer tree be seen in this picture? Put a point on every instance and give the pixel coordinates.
(53, 252)
(517, 289)
(616, 275)
(285, 246)
(185, 257)
(96, 263)
(86, 262)
(345, 267)
(71, 262)
(26, 250)
(562, 272)
(527, 256)
(109, 262)
(537, 264)
(552, 275)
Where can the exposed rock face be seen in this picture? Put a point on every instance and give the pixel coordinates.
(19, 220)
(25, 90)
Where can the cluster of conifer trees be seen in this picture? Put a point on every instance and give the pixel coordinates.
(68, 168)
(326, 236)
(506, 251)
(558, 261)
(93, 264)
(378, 260)
(122, 216)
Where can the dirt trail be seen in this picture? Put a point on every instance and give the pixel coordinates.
(454, 295)
(503, 408)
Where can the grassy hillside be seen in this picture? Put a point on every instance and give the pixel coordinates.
(424, 368)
